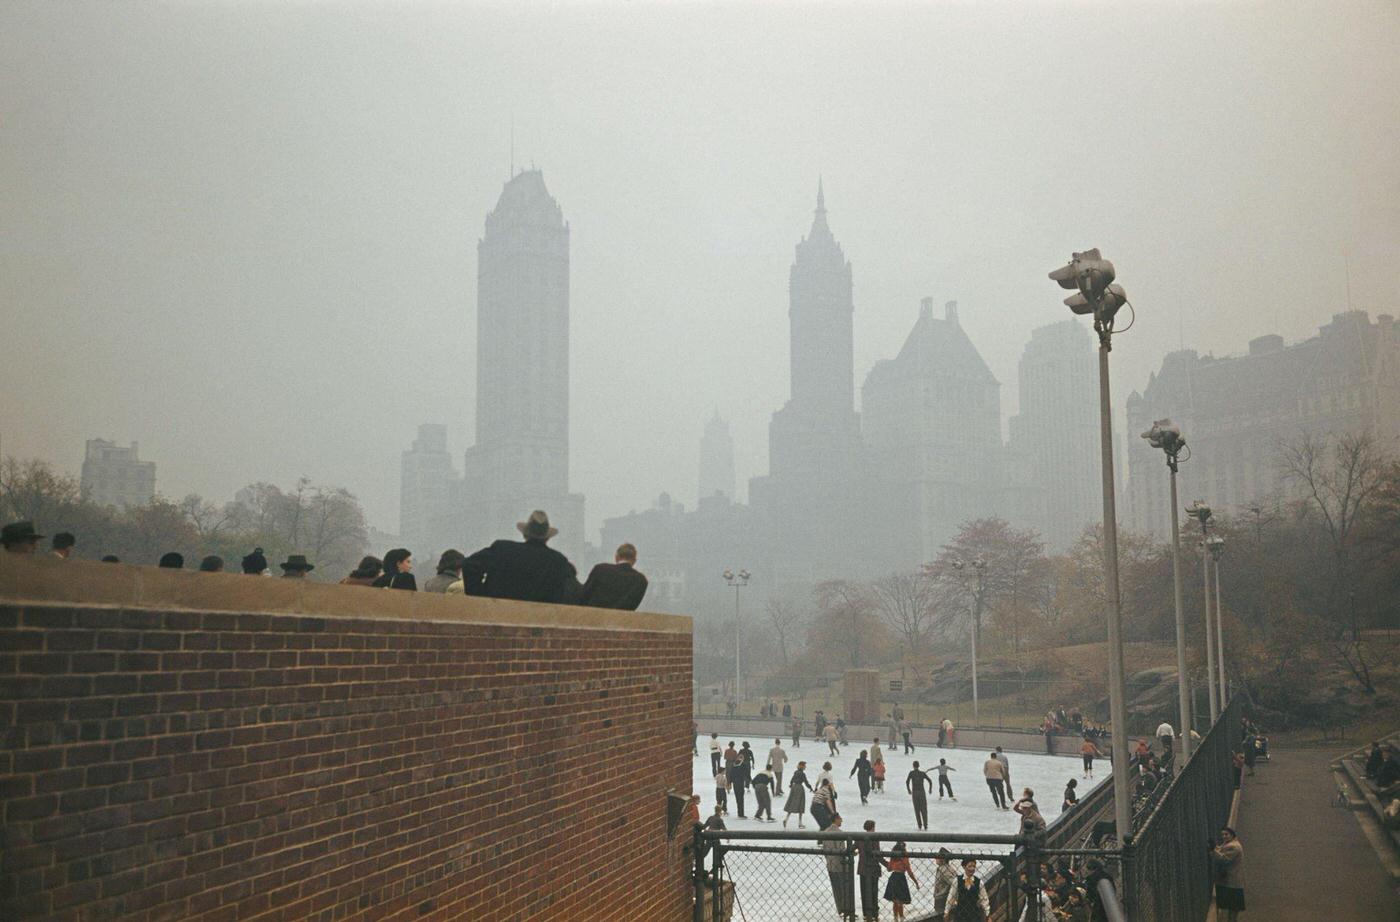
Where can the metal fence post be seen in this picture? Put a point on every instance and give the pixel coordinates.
(717, 891)
(698, 840)
(1130, 893)
(1035, 842)
(848, 861)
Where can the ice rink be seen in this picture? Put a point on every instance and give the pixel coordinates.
(794, 887)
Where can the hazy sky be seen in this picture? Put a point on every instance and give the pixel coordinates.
(244, 234)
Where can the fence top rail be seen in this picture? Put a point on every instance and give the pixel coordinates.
(1221, 729)
(944, 838)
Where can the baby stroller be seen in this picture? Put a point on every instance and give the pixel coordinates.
(1261, 747)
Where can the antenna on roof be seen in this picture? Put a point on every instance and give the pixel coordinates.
(512, 146)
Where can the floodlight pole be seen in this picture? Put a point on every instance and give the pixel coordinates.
(1217, 547)
(1183, 684)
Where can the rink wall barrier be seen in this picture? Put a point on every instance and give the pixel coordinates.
(216, 746)
(750, 728)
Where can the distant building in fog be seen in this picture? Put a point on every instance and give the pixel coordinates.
(426, 513)
(116, 476)
(716, 460)
(1235, 411)
(520, 461)
(1053, 480)
(931, 421)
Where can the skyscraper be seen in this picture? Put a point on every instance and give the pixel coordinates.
(716, 460)
(116, 476)
(931, 419)
(520, 460)
(804, 507)
(425, 486)
(1054, 445)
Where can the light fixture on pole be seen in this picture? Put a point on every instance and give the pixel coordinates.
(1166, 435)
(1097, 294)
(737, 581)
(980, 566)
(1201, 513)
(1217, 548)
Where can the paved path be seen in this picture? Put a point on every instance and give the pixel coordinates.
(1304, 858)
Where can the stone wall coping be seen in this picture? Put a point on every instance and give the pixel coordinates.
(48, 580)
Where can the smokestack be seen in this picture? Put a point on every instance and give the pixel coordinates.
(950, 311)
(926, 308)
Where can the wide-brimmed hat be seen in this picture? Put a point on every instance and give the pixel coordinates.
(537, 527)
(298, 562)
(19, 533)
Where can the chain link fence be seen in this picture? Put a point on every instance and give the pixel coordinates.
(1167, 869)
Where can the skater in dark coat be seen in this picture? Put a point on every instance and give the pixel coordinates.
(762, 792)
(863, 771)
(919, 785)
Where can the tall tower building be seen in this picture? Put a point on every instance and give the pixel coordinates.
(1054, 446)
(805, 507)
(425, 484)
(716, 460)
(520, 460)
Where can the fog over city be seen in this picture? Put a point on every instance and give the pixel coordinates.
(245, 235)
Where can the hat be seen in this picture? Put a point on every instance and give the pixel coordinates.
(944, 853)
(255, 562)
(21, 532)
(536, 527)
(298, 562)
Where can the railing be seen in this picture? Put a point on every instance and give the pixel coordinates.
(1166, 866)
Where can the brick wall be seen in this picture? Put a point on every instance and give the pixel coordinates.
(423, 762)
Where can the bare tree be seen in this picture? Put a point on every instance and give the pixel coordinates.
(1340, 477)
(908, 603)
(846, 621)
(786, 619)
(31, 489)
(208, 520)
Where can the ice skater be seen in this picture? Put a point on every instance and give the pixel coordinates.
(762, 783)
(777, 758)
(721, 791)
(877, 775)
(907, 732)
(796, 732)
(1071, 798)
(944, 782)
(1088, 751)
(995, 773)
(797, 796)
(1006, 768)
(914, 784)
(863, 771)
(716, 753)
(823, 805)
(829, 733)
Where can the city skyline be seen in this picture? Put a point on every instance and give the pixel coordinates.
(318, 248)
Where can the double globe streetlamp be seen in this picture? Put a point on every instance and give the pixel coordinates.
(1166, 436)
(736, 582)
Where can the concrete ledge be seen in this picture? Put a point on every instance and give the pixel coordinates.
(46, 580)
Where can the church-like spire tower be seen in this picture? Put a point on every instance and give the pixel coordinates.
(820, 317)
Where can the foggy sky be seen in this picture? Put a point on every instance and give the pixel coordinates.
(245, 234)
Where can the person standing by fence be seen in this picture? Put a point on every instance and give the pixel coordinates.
(945, 877)
(914, 784)
(967, 900)
(869, 867)
(1227, 859)
(901, 872)
(835, 850)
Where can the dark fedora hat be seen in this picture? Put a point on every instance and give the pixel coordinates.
(298, 562)
(18, 533)
(537, 527)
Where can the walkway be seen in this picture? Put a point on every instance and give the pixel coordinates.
(1304, 858)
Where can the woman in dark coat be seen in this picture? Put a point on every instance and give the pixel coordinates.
(863, 771)
(797, 796)
(365, 574)
(398, 566)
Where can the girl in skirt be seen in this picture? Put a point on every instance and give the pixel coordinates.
(897, 887)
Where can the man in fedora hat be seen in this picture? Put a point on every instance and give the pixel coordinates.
(296, 567)
(528, 570)
(20, 538)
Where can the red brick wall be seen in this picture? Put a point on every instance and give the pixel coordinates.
(183, 764)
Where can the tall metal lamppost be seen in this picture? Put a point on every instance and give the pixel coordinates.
(980, 566)
(1166, 435)
(1097, 295)
(1201, 513)
(1216, 544)
(736, 582)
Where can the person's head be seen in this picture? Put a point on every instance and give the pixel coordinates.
(451, 562)
(63, 543)
(172, 560)
(370, 567)
(715, 735)
(864, 753)
(111, 558)
(255, 564)
(1227, 834)
(695, 798)
(626, 553)
(1073, 783)
(836, 821)
(777, 742)
(869, 826)
(746, 744)
(297, 566)
(877, 741)
(211, 564)
(942, 857)
(731, 744)
(537, 527)
(398, 560)
(969, 866)
(998, 752)
(801, 764)
(768, 767)
(900, 847)
(718, 809)
(942, 761)
(991, 755)
(1075, 897)
(916, 764)
(1027, 794)
(826, 766)
(20, 538)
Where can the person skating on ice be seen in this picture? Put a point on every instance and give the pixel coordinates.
(797, 796)
(915, 783)
(863, 772)
(944, 782)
